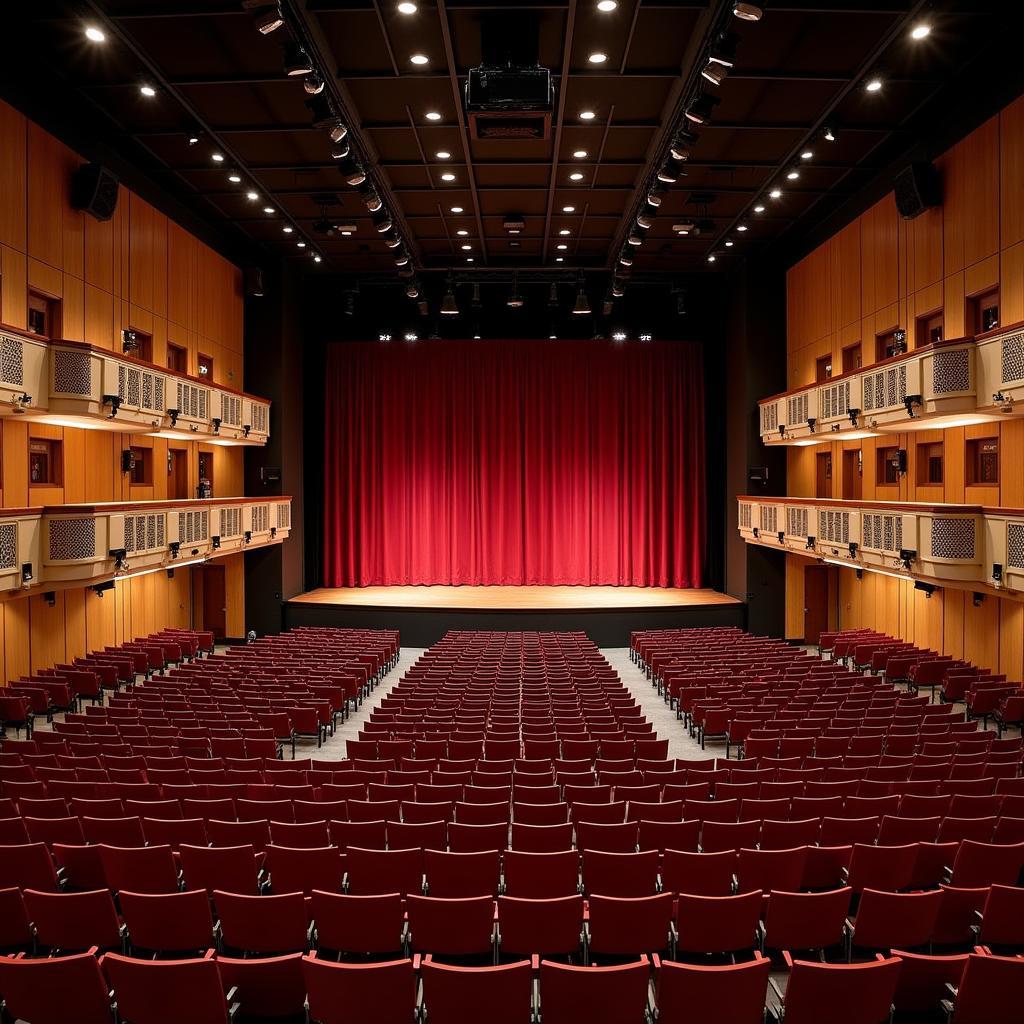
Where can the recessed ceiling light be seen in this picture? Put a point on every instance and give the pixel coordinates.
(576, 176)
(607, 5)
(419, 58)
(268, 209)
(456, 209)
(711, 258)
(873, 85)
(587, 115)
(448, 177)
(565, 231)
(920, 31)
(741, 227)
(467, 248)
(559, 259)
(443, 154)
(469, 259)
(807, 154)
(234, 179)
(462, 231)
(568, 209)
(792, 174)
(433, 115)
(317, 259)
(94, 34)
(347, 234)
(580, 154)
(287, 229)
(598, 58)
(217, 158)
(252, 196)
(728, 245)
(147, 90)
(759, 208)
(301, 245)
(562, 247)
(406, 8)
(776, 193)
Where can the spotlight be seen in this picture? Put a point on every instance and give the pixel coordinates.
(296, 61)
(741, 227)
(449, 307)
(618, 289)
(587, 115)
(313, 84)
(411, 336)
(355, 176)
(792, 174)
(776, 193)
(235, 179)
(349, 306)
(568, 209)
(646, 337)
(920, 31)
(467, 248)
(714, 73)
(321, 107)
(412, 290)
(268, 209)
(873, 85)
(759, 208)
(636, 239)
(685, 227)
(607, 5)
(433, 115)
(419, 59)
(443, 154)
(711, 258)
(338, 132)
(193, 139)
(655, 196)
(382, 221)
(147, 90)
(748, 12)
(682, 142)
(317, 258)
(393, 242)
(807, 154)
(597, 58)
(582, 306)
(580, 154)
(562, 247)
(456, 209)
(406, 8)
(830, 136)
(565, 232)
(462, 232)
(729, 244)
(474, 301)
(383, 337)
(515, 300)
(618, 336)
(723, 50)
(287, 229)
(341, 151)
(447, 177)
(267, 16)
(668, 173)
(576, 176)
(680, 302)
(402, 260)
(644, 220)
(626, 258)
(252, 196)
(217, 158)
(94, 34)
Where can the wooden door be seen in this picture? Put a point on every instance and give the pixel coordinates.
(177, 483)
(823, 474)
(815, 602)
(853, 480)
(214, 600)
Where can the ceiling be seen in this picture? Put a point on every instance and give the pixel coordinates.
(799, 70)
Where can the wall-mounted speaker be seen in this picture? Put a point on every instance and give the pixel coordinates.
(254, 282)
(917, 189)
(94, 189)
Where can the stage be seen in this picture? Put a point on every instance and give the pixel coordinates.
(424, 614)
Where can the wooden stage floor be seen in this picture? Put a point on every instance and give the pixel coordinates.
(551, 599)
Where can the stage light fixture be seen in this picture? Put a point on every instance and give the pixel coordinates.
(392, 241)
(268, 209)
(354, 176)
(723, 50)
(873, 85)
(776, 193)
(714, 73)
(321, 108)
(582, 306)
(759, 208)
(644, 220)
(807, 154)
(748, 12)
(338, 132)
(559, 259)
(147, 90)
(94, 34)
(618, 335)
(515, 300)
(701, 107)
(655, 196)
(252, 196)
(383, 337)
(830, 136)
(267, 16)
(729, 244)
(684, 227)
(217, 158)
(407, 7)
(287, 229)
(449, 306)
(562, 247)
(587, 115)
(411, 336)
(553, 295)
(682, 143)
(462, 232)
(668, 173)
(235, 179)
(920, 31)
(741, 227)
(568, 209)
(447, 177)
(605, 6)
(576, 176)
(382, 221)
(680, 302)
(419, 59)
(443, 154)
(313, 84)
(456, 209)
(580, 154)
(711, 258)
(597, 57)
(412, 290)
(466, 248)
(626, 258)
(402, 260)
(296, 60)
(636, 238)
(301, 245)
(792, 174)
(618, 288)
(373, 202)
(317, 258)
(433, 115)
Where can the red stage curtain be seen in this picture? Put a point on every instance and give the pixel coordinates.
(514, 462)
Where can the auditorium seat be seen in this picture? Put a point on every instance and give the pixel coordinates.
(166, 991)
(843, 993)
(711, 994)
(56, 990)
(268, 988)
(177, 922)
(264, 925)
(599, 995)
(340, 993)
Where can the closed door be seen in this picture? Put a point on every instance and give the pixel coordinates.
(177, 483)
(214, 600)
(815, 602)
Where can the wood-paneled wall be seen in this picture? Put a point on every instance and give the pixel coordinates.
(138, 270)
(881, 272)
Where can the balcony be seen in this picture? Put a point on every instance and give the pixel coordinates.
(964, 546)
(60, 546)
(949, 384)
(72, 384)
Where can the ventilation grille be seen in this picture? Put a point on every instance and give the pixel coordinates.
(284, 516)
(152, 392)
(230, 410)
(746, 521)
(12, 363)
(796, 409)
(144, 532)
(260, 518)
(769, 417)
(193, 527)
(1015, 545)
(770, 518)
(796, 522)
(834, 526)
(885, 388)
(951, 372)
(882, 532)
(72, 372)
(192, 400)
(835, 400)
(72, 539)
(231, 521)
(8, 545)
(1013, 357)
(259, 418)
(953, 538)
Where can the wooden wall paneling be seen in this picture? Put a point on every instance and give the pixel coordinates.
(952, 167)
(795, 565)
(99, 253)
(1011, 639)
(15, 462)
(1011, 459)
(14, 177)
(915, 471)
(100, 615)
(954, 313)
(46, 631)
(928, 617)
(13, 287)
(981, 206)
(75, 632)
(99, 317)
(17, 644)
(982, 276)
(1011, 284)
(46, 184)
(981, 631)
(955, 480)
(977, 494)
(1011, 173)
(72, 315)
(234, 585)
(953, 624)
(924, 236)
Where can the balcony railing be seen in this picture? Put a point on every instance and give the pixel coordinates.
(959, 545)
(59, 546)
(70, 383)
(948, 384)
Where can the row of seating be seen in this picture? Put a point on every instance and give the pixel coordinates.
(976, 987)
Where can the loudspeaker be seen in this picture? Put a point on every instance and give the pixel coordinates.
(917, 188)
(254, 282)
(94, 189)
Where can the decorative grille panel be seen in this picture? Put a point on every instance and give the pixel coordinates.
(770, 518)
(745, 515)
(796, 409)
(796, 522)
(231, 521)
(1013, 357)
(1015, 545)
(72, 372)
(284, 516)
(72, 538)
(12, 365)
(951, 372)
(953, 538)
(8, 545)
(769, 417)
